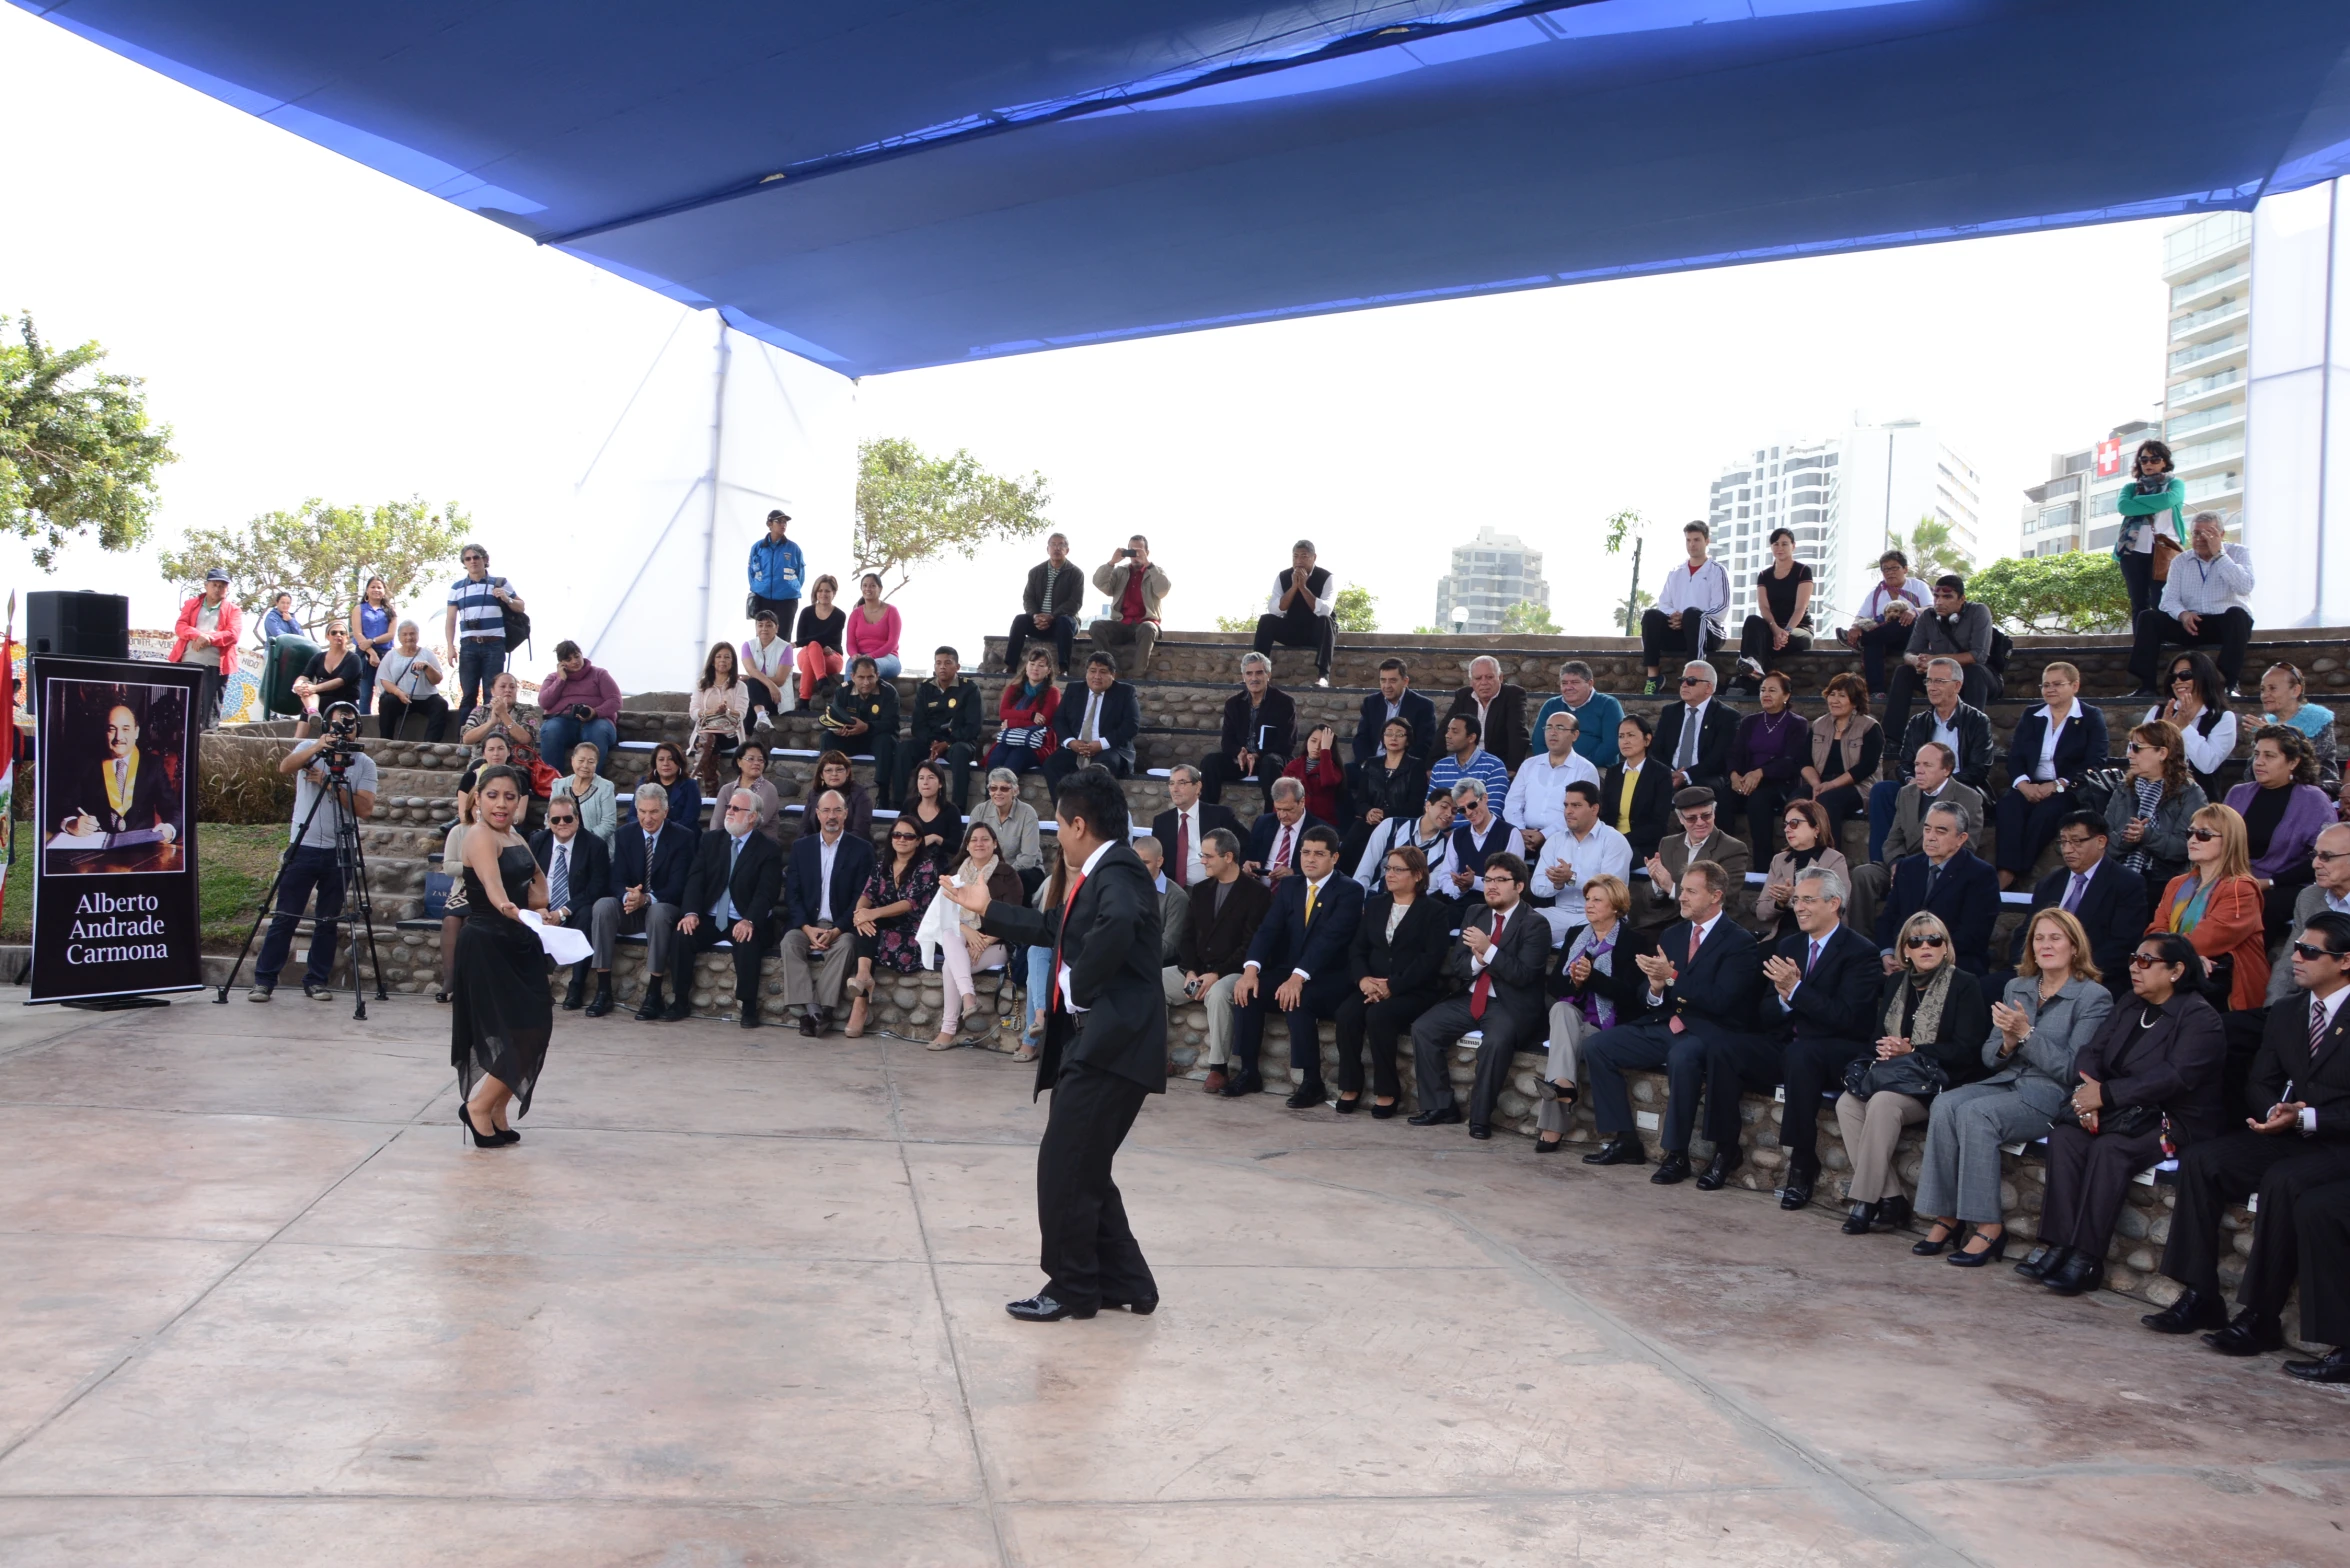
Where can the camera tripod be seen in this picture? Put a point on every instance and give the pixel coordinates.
(350, 865)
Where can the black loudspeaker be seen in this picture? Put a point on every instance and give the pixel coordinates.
(81, 625)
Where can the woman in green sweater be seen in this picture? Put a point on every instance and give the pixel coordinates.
(2152, 504)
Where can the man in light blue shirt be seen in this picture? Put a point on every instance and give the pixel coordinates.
(1597, 715)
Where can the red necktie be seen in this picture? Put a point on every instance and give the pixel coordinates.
(1674, 1023)
(1060, 1002)
(1281, 850)
(1484, 986)
(1182, 846)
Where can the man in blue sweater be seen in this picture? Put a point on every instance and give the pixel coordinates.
(776, 574)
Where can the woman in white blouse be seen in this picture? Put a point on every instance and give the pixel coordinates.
(2198, 704)
(716, 710)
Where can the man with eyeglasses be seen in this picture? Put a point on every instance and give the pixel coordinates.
(1699, 839)
(2106, 897)
(730, 896)
(580, 894)
(1694, 735)
(1820, 1004)
(475, 634)
(2329, 862)
(2296, 1142)
(2206, 603)
(1958, 725)
(1931, 780)
(1944, 879)
(1497, 963)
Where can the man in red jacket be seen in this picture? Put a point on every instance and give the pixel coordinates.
(206, 636)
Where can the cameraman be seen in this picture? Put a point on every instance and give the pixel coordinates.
(578, 702)
(335, 780)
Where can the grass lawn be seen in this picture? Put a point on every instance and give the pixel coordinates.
(234, 867)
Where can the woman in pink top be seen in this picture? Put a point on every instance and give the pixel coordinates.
(873, 629)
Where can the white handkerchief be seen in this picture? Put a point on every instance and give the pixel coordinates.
(561, 943)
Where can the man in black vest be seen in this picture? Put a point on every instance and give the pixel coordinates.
(1301, 611)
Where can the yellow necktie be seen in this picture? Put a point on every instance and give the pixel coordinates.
(1310, 891)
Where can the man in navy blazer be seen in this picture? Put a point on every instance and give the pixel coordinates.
(1702, 985)
(1395, 699)
(1297, 965)
(2055, 745)
(1820, 1002)
(731, 896)
(1951, 881)
(820, 887)
(1097, 721)
(650, 860)
(2109, 899)
(590, 899)
(1276, 835)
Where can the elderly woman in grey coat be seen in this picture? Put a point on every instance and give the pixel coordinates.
(1017, 831)
(2052, 1008)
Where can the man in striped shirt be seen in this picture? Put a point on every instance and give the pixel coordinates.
(476, 629)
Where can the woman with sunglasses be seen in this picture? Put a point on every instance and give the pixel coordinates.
(963, 949)
(2150, 1077)
(2215, 904)
(1018, 835)
(2153, 505)
(2283, 812)
(2281, 688)
(1805, 827)
(834, 771)
(685, 796)
(1934, 1018)
(2052, 1008)
(889, 914)
(2146, 818)
(503, 1017)
(2197, 705)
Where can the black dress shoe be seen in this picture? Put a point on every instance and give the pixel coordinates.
(1141, 1309)
(1930, 1248)
(1380, 1113)
(1238, 1084)
(1622, 1149)
(681, 1007)
(1044, 1309)
(748, 1017)
(2247, 1334)
(2332, 1367)
(1861, 1220)
(2044, 1261)
(1797, 1193)
(603, 1000)
(1306, 1096)
(1964, 1259)
(575, 995)
(1346, 1107)
(2077, 1272)
(1718, 1169)
(1672, 1169)
(1480, 1131)
(2193, 1310)
(1893, 1212)
(1451, 1113)
(648, 1007)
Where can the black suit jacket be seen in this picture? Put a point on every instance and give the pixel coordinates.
(1277, 712)
(153, 801)
(1261, 834)
(1371, 726)
(758, 878)
(1121, 714)
(1975, 747)
(1211, 817)
(2113, 911)
(1838, 999)
(1285, 941)
(803, 878)
(1412, 962)
(1715, 733)
(1215, 942)
(2083, 745)
(673, 857)
(2175, 1065)
(1622, 984)
(1652, 805)
(2283, 1070)
(1068, 590)
(1518, 963)
(1714, 991)
(1109, 936)
(1966, 897)
(591, 865)
(1505, 718)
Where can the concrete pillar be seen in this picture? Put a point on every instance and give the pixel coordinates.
(2297, 455)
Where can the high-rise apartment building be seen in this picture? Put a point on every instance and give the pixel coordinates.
(1842, 497)
(1490, 575)
(2074, 509)
(2208, 265)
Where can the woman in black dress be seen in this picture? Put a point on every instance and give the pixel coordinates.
(934, 815)
(1386, 784)
(1782, 624)
(503, 1014)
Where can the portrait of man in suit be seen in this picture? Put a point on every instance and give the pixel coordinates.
(121, 771)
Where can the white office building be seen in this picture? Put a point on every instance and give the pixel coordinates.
(1490, 575)
(2208, 265)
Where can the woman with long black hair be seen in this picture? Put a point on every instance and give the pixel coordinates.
(503, 1015)
(2196, 702)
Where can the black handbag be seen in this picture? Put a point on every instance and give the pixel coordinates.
(1914, 1074)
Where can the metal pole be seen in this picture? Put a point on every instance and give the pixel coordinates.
(710, 523)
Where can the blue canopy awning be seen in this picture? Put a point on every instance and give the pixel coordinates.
(881, 185)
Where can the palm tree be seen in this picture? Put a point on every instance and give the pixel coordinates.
(1931, 551)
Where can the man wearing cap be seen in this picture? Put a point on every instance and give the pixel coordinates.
(776, 571)
(206, 636)
(1699, 839)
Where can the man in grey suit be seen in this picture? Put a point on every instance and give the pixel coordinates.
(1932, 781)
(1174, 903)
(1501, 982)
(2329, 857)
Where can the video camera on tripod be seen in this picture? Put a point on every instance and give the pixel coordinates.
(340, 743)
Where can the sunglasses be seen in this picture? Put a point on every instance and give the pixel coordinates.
(559, 821)
(1695, 680)
(2147, 960)
(1929, 941)
(905, 838)
(2311, 952)
(2177, 676)
(2201, 835)
(2137, 746)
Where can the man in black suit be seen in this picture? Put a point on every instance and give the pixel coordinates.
(1183, 828)
(1097, 722)
(1702, 985)
(2321, 1223)
(730, 896)
(1395, 699)
(828, 869)
(1959, 726)
(1693, 735)
(580, 894)
(1226, 909)
(2300, 1143)
(1259, 732)
(1498, 706)
(2106, 896)
(1498, 963)
(649, 863)
(126, 790)
(1303, 941)
(943, 728)
(1951, 881)
(1276, 835)
(1105, 1048)
(1820, 1001)
(1048, 607)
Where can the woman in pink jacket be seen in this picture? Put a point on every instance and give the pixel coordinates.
(873, 629)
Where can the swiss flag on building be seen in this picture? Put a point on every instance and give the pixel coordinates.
(2109, 457)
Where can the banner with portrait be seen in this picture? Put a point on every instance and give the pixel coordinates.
(115, 908)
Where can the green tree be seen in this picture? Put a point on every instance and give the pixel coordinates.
(2080, 591)
(323, 555)
(1931, 550)
(76, 450)
(1236, 623)
(912, 508)
(1622, 527)
(1530, 618)
(1356, 611)
(1627, 616)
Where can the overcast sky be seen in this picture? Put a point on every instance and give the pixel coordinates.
(309, 327)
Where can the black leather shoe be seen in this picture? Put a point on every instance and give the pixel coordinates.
(1622, 1149)
(1305, 1097)
(1930, 1248)
(2044, 1261)
(1797, 1193)
(1964, 1259)
(1044, 1309)
(1861, 1220)
(2075, 1273)
(2193, 1310)
(1346, 1107)
(648, 1007)
(1380, 1113)
(1238, 1084)
(814, 1022)
(2247, 1334)
(681, 1007)
(1672, 1169)
(575, 996)
(1718, 1169)
(1480, 1131)
(1893, 1212)
(748, 1017)
(603, 1000)
(2332, 1367)
(1451, 1113)
(1141, 1309)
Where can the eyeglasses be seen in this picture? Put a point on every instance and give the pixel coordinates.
(1928, 940)
(2328, 856)
(2201, 835)
(2311, 952)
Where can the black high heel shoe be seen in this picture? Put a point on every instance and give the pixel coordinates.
(1975, 1260)
(1931, 1248)
(507, 1135)
(493, 1141)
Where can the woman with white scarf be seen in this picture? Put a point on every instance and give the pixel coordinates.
(950, 934)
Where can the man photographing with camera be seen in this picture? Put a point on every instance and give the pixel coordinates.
(334, 788)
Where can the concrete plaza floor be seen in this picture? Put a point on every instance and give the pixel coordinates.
(738, 1300)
